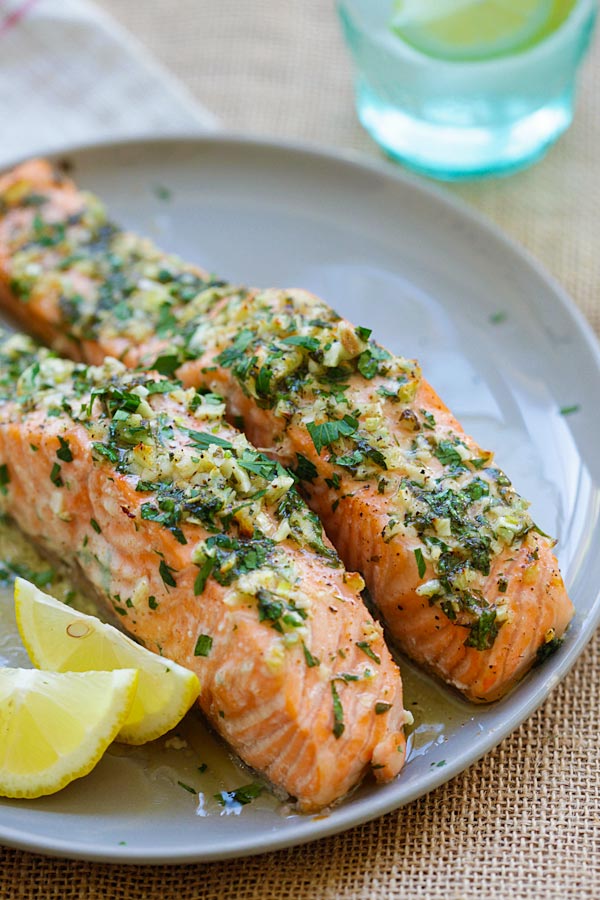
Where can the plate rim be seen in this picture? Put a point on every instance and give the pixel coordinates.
(53, 846)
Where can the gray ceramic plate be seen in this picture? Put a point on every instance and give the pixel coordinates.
(502, 344)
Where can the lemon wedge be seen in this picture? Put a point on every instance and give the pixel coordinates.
(61, 639)
(476, 29)
(55, 727)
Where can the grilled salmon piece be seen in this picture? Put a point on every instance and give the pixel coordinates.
(201, 548)
(465, 582)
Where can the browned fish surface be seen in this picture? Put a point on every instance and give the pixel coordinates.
(202, 549)
(466, 583)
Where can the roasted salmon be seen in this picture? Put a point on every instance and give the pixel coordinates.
(203, 550)
(466, 583)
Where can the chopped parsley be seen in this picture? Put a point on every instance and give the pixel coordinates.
(305, 469)
(166, 573)
(55, 476)
(242, 795)
(167, 364)
(203, 575)
(447, 454)
(203, 645)
(326, 433)
(202, 440)
(187, 787)
(421, 566)
(483, 631)
(311, 661)
(548, 648)
(338, 712)
(230, 557)
(64, 452)
(366, 649)
(308, 343)
(363, 334)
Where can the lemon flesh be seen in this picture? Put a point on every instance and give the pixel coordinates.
(61, 639)
(476, 29)
(55, 727)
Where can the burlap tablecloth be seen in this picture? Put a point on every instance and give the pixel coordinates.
(525, 821)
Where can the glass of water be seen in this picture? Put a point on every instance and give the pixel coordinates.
(441, 103)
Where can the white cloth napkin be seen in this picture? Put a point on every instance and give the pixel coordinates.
(70, 75)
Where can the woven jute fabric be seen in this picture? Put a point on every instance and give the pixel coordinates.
(524, 822)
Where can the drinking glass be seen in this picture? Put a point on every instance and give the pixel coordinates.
(456, 119)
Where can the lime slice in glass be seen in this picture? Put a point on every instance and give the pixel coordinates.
(476, 29)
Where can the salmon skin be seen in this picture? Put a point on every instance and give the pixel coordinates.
(467, 584)
(202, 549)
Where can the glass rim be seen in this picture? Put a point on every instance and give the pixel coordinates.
(575, 20)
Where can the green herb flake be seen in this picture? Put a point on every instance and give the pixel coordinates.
(166, 364)
(255, 462)
(95, 526)
(242, 795)
(64, 452)
(202, 440)
(499, 317)
(447, 454)
(106, 452)
(305, 469)
(547, 649)
(338, 712)
(203, 645)
(186, 787)
(161, 192)
(327, 433)
(162, 387)
(483, 631)
(381, 708)
(363, 334)
(152, 602)
(366, 648)
(203, 575)
(307, 343)
(388, 394)
(40, 579)
(263, 381)
(569, 410)
(421, 566)
(428, 420)
(55, 477)
(166, 573)
(234, 353)
(4, 478)
(477, 489)
(311, 661)
(368, 364)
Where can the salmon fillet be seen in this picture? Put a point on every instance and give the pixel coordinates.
(203, 550)
(466, 583)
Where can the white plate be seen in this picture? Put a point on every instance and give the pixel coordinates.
(433, 281)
